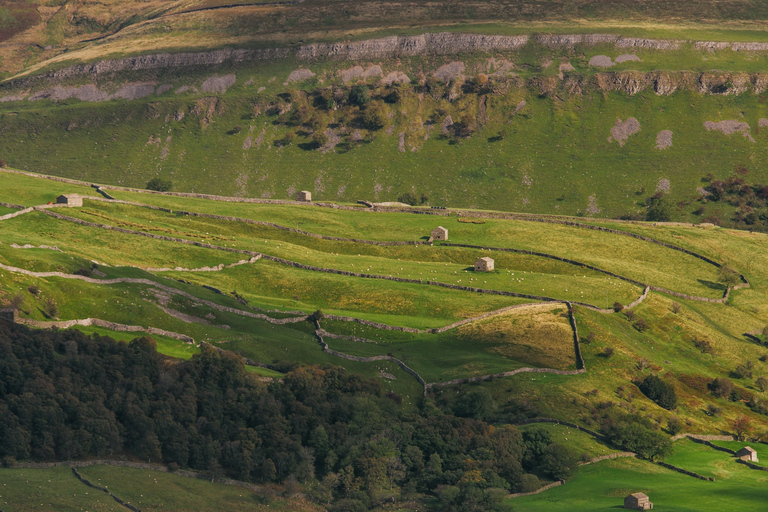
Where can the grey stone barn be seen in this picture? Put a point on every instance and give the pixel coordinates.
(485, 264)
(748, 454)
(304, 195)
(638, 501)
(70, 200)
(439, 233)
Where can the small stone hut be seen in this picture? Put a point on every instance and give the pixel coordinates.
(10, 314)
(304, 195)
(748, 454)
(638, 501)
(439, 233)
(485, 264)
(70, 200)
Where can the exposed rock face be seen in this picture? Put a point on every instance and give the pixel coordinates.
(737, 47)
(355, 72)
(92, 93)
(568, 40)
(395, 77)
(218, 84)
(664, 139)
(622, 130)
(626, 57)
(600, 61)
(449, 71)
(729, 127)
(298, 75)
(437, 44)
(628, 82)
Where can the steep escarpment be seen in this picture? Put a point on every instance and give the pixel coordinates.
(442, 43)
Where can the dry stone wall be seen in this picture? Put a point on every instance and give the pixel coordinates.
(138, 465)
(537, 491)
(66, 324)
(327, 349)
(481, 378)
(104, 490)
(594, 434)
(684, 471)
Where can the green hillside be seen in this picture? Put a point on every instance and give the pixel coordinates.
(531, 138)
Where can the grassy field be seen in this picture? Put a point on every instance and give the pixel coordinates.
(57, 489)
(524, 337)
(603, 486)
(552, 156)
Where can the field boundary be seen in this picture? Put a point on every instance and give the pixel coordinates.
(103, 489)
(445, 244)
(161, 468)
(327, 349)
(290, 263)
(113, 326)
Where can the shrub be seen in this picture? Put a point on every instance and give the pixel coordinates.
(528, 483)
(659, 210)
(703, 345)
(721, 387)
(742, 371)
(713, 410)
(17, 301)
(742, 426)
(636, 434)
(159, 185)
(558, 461)
(640, 324)
(617, 306)
(465, 127)
(34, 290)
(317, 315)
(762, 384)
(374, 116)
(674, 425)
(659, 391)
(676, 307)
(359, 95)
(608, 352)
(728, 276)
(50, 308)
(84, 271)
(319, 139)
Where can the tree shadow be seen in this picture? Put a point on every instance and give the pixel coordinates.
(712, 285)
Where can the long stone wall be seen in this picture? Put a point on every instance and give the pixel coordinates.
(537, 491)
(684, 471)
(138, 465)
(751, 465)
(576, 341)
(610, 456)
(594, 434)
(104, 490)
(327, 349)
(66, 324)
(510, 373)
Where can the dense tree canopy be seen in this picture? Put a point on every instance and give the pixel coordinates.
(65, 395)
